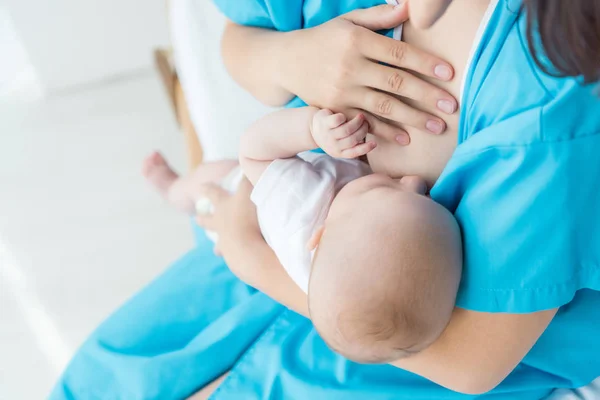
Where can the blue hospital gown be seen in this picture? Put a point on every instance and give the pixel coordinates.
(523, 184)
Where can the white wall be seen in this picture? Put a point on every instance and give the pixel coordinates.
(12, 54)
(18, 79)
(74, 42)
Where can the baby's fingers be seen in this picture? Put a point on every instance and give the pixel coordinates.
(357, 137)
(329, 120)
(360, 150)
(350, 127)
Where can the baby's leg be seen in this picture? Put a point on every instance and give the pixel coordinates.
(182, 192)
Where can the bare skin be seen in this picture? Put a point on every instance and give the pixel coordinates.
(307, 128)
(349, 76)
(209, 389)
(182, 192)
(427, 155)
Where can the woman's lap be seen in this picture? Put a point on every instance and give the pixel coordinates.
(182, 331)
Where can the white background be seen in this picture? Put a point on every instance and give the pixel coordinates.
(80, 230)
(78, 42)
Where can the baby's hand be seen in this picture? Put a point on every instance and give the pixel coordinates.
(339, 137)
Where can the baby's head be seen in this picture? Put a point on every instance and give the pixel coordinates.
(386, 271)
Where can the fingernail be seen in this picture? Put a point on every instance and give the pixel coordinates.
(434, 126)
(403, 139)
(443, 71)
(447, 106)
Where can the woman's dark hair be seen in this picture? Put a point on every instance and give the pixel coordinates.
(569, 33)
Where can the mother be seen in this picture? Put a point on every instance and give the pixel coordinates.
(509, 182)
(511, 174)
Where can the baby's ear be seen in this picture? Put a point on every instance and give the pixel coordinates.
(314, 241)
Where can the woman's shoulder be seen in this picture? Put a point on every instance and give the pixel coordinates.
(524, 191)
(508, 97)
(528, 214)
(523, 181)
(560, 120)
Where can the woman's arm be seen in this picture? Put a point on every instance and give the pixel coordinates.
(247, 254)
(477, 351)
(338, 66)
(255, 58)
(473, 355)
(265, 272)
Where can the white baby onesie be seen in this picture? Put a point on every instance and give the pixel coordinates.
(293, 197)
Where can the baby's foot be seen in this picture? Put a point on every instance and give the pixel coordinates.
(158, 173)
(168, 183)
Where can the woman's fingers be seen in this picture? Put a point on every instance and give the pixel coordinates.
(389, 107)
(399, 54)
(395, 81)
(214, 193)
(379, 17)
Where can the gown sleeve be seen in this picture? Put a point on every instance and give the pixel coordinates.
(530, 217)
(281, 15)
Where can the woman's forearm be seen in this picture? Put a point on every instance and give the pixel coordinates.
(474, 354)
(254, 58)
(478, 350)
(265, 272)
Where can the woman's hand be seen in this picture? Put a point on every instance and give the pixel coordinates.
(245, 251)
(338, 65)
(234, 220)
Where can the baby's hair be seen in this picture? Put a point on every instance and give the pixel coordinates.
(390, 293)
(379, 331)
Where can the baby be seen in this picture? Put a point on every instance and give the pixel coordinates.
(380, 260)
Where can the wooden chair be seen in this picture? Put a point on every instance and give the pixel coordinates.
(164, 63)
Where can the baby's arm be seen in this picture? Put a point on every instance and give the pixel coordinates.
(281, 134)
(285, 133)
